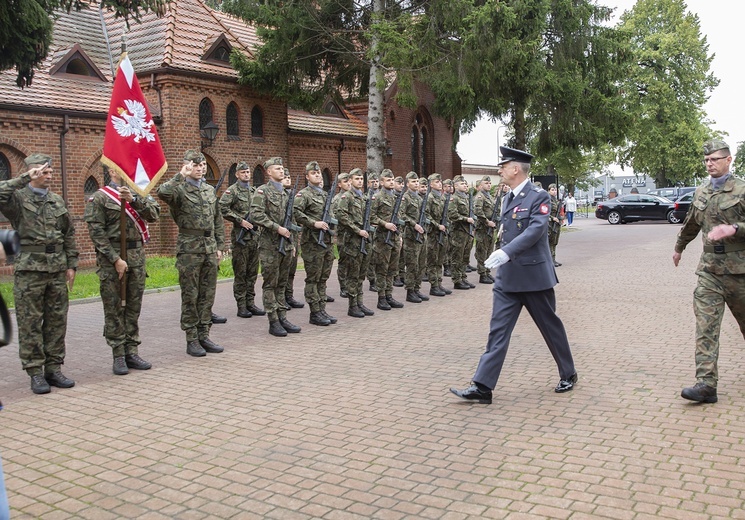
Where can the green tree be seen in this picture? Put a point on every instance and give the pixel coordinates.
(739, 164)
(665, 92)
(26, 28)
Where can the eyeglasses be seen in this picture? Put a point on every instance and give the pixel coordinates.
(713, 159)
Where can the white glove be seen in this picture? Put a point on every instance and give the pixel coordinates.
(496, 259)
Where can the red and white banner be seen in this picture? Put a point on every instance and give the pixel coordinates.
(138, 221)
(131, 145)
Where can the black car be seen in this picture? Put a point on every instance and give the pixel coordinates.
(681, 206)
(672, 193)
(631, 208)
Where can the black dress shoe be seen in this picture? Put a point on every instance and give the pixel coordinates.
(193, 348)
(120, 366)
(700, 392)
(294, 304)
(39, 385)
(216, 318)
(474, 393)
(289, 327)
(461, 286)
(557, 264)
(566, 384)
(329, 299)
(210, 346)
(59, 380)
(256, 311)
(135, 362)
(395, 304)
(276, 329)
(244, 313)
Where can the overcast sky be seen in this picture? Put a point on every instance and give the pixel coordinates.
(721, 22)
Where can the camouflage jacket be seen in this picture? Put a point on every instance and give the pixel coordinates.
(381, 212)
(40, 222)
(268, 207)
(234, 205)
(350, 212)
(483, 208)
(309, 205)
(709, 208)
(410, 206)
(435, 207)
(458, 212)
(103, 215)
(194, 209)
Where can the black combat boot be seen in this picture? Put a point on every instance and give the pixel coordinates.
(216, 318)
(383, 303)
(354, 311)
(39, 385)
(210, 346)
(135, 362)
(256, 311)
(395, 304)
(243, 312)
(329, 299)
(328, 316)
(422, 297)
(365, 310)
(193, 348)
(445, 290)
(461, 285)
(485, 278)
(317, 318)
(373, 287)
(293, 303)
(436, 291)
(58, 379)
(120, 366)
(411, 296)
(398, 282)
(276, 329)
(700, 392)
(289, 327)
(343, 293)
(446, 271)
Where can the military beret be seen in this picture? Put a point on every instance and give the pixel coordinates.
(485, 178)
(459, 178)
(272, 161)
(388, 174)
(423, 181)
(511, 154)
(435, 177)
(399, 180)
(356, 172)
(194, 156)
(373, 177)
(287, 172)
(312, 166)
(447, 182)
(241, 166)
(713, 145)
(411, 176)
(36, 159)
(343, 176)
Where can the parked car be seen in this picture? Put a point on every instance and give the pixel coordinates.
(632, 208)
(672, 193)
(681, 206)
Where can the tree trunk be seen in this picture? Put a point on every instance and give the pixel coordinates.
(375, 108)
(518, 124)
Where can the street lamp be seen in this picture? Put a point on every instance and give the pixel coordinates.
(208, 132)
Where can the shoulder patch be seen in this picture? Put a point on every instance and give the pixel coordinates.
(298, 194)
(227, 192)
(90, 199)
(544, 209)
(260, 191)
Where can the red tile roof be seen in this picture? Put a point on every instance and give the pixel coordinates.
(300, 121)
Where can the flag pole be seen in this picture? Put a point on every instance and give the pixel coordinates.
(123, 224)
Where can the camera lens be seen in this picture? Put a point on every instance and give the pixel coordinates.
(11, 241)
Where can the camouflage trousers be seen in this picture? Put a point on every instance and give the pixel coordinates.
(709, 298)
(41, 314)
(370, 265)
(484, 247)
(355, 266)
(318, 262)
(460, 254)
(423, 259)
(120, 327)
(290, 284)
(553, 241)
(412, 256)
(435, 253)
(341, 267)
(197, 276)
(385, 258)
(246, 270)
(275, 271)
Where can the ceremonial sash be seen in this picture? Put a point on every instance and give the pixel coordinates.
(140, 224)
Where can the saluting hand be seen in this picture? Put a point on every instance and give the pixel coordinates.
(37, 172)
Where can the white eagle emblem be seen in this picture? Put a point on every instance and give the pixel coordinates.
(132, 121)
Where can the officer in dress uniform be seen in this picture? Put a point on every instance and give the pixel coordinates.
(526, 278)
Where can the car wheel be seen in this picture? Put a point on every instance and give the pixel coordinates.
(614, 217)
(672, 218)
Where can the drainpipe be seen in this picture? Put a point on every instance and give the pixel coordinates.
(63, 155)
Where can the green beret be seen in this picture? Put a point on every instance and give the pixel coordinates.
(356, 172)
(36, 159)
(287, 172)
(447, 182)
(194, 156)
(435, 177)
(423, 181)
(272, 161)
(399, 180)
(387, 174)
(485, 178)
(411, 176)
(312, 166)
(343, 176)
(373, 177)
(241, 166)
(713, 145)
(459, 178)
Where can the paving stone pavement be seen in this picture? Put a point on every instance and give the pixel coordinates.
(355, 421)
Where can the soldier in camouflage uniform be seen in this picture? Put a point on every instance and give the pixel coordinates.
(341, 266)
(555, 221)
(103, 216)
(423, 190)
(435, 248)
(718, 212)
(289, 284)
(460, 239)
(373, 187)
(385, 256)
(193, 206)
(483, 208)
(399, 185)
(318, 260)
(350, 212)
(410, 206)
(447, 189)
(268, 208)
(235, 205)
(44, 269)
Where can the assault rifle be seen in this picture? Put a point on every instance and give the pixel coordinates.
(495, 214)
(444, 220)
(394, 217)
(423, 216)
(326, 217)
(240, 239)
(289, 209)
(222, 179)
(470, 212)
(366, 222)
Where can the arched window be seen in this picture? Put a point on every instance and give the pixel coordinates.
(326, 179)
(258, 176)
(415, 155)
(257, 122)
(106, 176)
(205, 112)
(422, 146)
(90, 187)
(4, 168)
(231, 120)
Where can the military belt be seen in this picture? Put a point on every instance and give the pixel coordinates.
(720, 249)
(48, 248)
(131, 244)
(195, 232)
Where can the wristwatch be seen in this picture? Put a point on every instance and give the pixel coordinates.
(736, 227)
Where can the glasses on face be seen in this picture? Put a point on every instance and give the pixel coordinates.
(713, 159)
